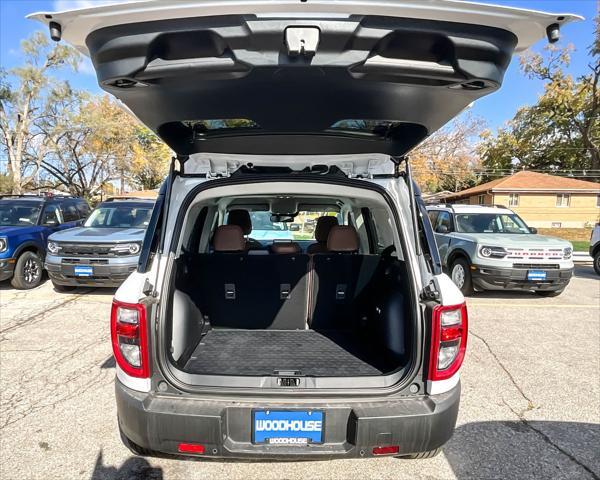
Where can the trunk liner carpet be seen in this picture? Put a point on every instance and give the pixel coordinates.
(262, 352)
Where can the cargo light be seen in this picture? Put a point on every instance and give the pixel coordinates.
(387, 450)
(190, 448)
(449, 331)
(130, 338)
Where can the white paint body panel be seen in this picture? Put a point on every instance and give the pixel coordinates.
(528, 25)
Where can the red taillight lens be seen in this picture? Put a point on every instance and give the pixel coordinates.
(448, 340)
(387, 450)
(190, 448)
(130, 338)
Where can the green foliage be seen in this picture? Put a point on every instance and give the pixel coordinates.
(562, 130)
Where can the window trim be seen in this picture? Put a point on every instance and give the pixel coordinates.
(511, 199)
(559, 200)
(481, 199)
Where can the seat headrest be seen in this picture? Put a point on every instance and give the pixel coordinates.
(285, 248)
(343, 238)
(229, 238)
(242, 219)
(323, 228)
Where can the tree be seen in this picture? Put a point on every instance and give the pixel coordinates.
(21, 104)
(562, 130)
(89, 141)
(150, 162)
(447, 159)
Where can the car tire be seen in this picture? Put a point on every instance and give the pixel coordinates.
(549, 293)
(63, 288)
(422, 455)
(460, 273)
(134, 447)
(28, 271)
(597, 262)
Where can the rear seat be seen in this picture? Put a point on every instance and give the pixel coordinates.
(339, 279)
(238, 290)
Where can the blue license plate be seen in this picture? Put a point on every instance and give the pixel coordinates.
(536, 275)
(287, 427)
(83, 271)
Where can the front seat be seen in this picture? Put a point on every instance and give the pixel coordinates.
(242, 219)
(324, 225)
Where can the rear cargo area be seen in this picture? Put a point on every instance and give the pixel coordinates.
(280, 352)
(325, 315)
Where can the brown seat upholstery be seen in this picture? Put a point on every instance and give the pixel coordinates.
(285, 248)
(229, 238)
(343, 239)
(322, 229)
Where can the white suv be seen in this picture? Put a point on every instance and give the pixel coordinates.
(346, 342)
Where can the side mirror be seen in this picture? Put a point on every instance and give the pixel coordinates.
(533, 230)
(442, 229)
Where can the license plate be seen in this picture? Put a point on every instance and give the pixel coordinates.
(536, 275)
(287, 427)
(83, 271)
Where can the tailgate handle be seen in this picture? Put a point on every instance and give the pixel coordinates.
(302, 41)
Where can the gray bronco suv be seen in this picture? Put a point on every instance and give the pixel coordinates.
(491, 248)
(102, 252)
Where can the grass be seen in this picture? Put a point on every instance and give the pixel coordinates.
(580, 245)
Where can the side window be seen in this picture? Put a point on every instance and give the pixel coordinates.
(51, 216)
(444, 223)
(70, 212)
(433, 214)
(83, 209)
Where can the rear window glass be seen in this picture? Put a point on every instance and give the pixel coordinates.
(375, 127)
(200, 126)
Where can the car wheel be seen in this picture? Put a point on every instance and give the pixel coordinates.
(28, 271)
(549, 293)
(460, 273)
(63, 288)
(416, 456)
(597, 262)
(134, 447)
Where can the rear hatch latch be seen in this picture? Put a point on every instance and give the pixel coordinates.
(302, 41)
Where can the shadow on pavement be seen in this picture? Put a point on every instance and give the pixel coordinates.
(109, 363)
(134, 468)
(514, 449)
(586, 271)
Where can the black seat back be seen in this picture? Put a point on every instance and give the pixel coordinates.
(340, 289)
(252, 292)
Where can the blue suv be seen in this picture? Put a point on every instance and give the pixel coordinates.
(26, 221)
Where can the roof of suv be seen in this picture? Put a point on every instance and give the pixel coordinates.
(38, 198)
(458, 208)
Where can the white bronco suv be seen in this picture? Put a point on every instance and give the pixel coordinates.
(349, 345)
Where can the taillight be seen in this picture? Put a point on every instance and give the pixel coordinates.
(448, 340)
(130, 338)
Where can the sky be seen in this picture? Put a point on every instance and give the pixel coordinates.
(495, 109)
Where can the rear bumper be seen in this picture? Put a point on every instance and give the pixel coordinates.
(104, 275)
(160, 423)
(495, 278)
(7, 268)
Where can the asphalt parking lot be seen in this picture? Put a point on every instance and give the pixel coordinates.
(530, 402)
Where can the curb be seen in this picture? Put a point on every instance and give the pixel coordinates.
(582, 257)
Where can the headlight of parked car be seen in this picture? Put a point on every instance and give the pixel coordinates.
(567, 252)
(492, 252)
(3, 245)
(53, 247)
(131, 248)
